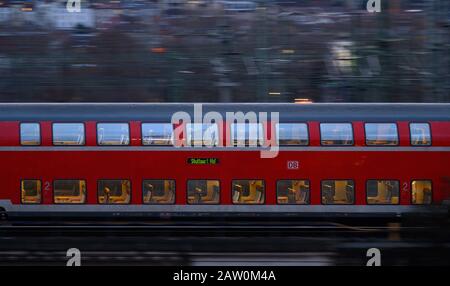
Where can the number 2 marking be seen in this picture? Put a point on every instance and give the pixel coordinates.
(405, 187)
(47, 186)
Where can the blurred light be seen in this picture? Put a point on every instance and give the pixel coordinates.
(274, 93)
(159, 50)
(25, 9)
(288, 51)
(303, 100)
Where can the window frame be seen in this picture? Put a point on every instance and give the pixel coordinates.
(156, 204)
(20, 133)
(20, 193)
(113, 145)
(288, 204)
(86, 193)
(155, 145)
(243, 204)
(68, 145)
(295, 145)
(382, 145)
(187, 192)
(399, 192)
(410, 135)
(121, 204)
(411, 192)
(347, 204)
(337, 145)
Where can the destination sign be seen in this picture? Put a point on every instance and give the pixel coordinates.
(203, 161)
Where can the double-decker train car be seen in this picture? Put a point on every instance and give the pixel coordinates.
(160, 160)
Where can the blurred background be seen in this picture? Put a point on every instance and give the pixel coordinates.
(225, 51)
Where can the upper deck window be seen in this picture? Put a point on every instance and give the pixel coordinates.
(30, 134)
(157, 134)
(381, 134)
(113, 134)
(68, 134)
(292, 134)
(420, 134)
(336, 133)
(199, 134)
(247, 134)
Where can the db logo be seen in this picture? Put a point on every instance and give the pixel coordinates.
(293, 165)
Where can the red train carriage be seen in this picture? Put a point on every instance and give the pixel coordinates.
(120, 159)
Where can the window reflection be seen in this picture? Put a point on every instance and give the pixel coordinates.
(420, 134)
(30, 134)
(421, 192)
(113, 134)
(292, 133)
(68, 134)
(247, 134)
(157, 134)
(336, 134)
(199, 134)
(381, 134)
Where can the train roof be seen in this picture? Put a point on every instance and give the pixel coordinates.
(163, 111)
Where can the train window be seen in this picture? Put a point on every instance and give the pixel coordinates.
(293, 192)
(248, 191)
(69, 191)
(292, 133)
(199, 134)
(157, 134)
(113, 134)
(383, 192)
(68, 134)
(422, 192)
(159, 191)
(420, 134)
(247, 134)
(114, 191)
(30, 134)
(381, 134)
(338, 192)
(336, 133)
(203, 191)
(31, 191)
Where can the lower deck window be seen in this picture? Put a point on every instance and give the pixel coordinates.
(338, 192)
(293, 192)
(248, 191)
(422, 192)
(69, 191)
(159, 191)
(382, 192)
(203, 191)
(31, 191)
(114, 191)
